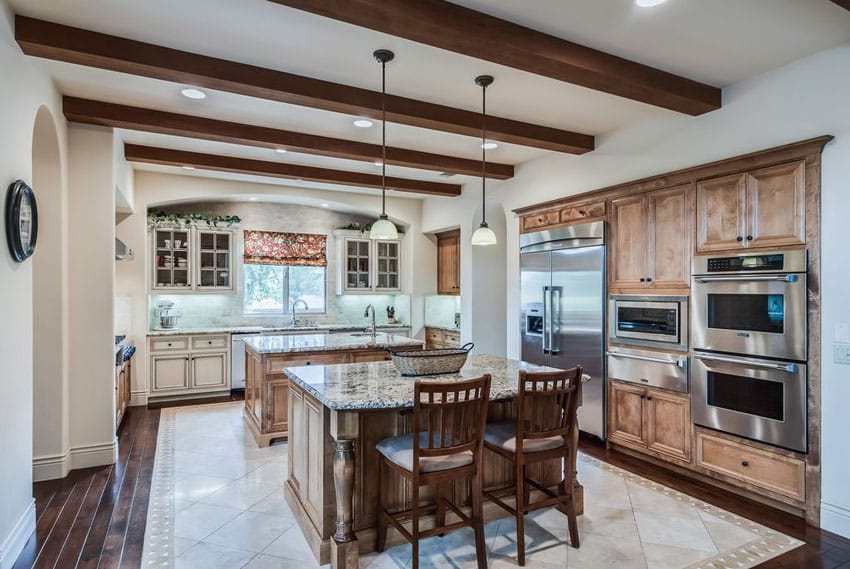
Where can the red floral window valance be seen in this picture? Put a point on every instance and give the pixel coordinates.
(273, 248)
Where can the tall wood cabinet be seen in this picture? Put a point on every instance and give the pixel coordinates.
(448, 262)
(650, 240)
(759, 208)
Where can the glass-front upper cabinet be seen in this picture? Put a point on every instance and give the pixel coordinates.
(365, 265)
(172, 259)
(387, 265)
(214, 260)
(191, 259)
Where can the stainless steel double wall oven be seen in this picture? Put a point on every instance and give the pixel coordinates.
(749, 337)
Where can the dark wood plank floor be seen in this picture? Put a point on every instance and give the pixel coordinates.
(95, 518)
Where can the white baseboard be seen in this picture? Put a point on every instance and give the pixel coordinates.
(138, 398)
(835, 519)
(100, 454)
(51, 466)
(13, 544)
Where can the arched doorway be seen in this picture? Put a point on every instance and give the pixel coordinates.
(50, 305)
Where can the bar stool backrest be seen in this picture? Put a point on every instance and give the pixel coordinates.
(453, 414)
(547, 404)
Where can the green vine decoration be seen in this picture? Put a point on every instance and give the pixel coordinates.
(163, 217)
(361, 227)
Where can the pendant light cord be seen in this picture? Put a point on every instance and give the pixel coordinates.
(483, 155)
(383, 139)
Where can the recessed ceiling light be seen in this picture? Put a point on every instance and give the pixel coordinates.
(253, 198)
(280, 150)
(489, 145)
(378, 163)
(363, 123)
(324, 205)
(648, 3)
(188, 167)
(192, 93)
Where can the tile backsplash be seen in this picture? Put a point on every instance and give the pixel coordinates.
(440, 310)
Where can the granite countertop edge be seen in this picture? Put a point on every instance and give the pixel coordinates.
(445, 328)
(361, 343)
(252, 329)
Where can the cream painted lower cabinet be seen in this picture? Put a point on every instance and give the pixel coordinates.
(189, 365)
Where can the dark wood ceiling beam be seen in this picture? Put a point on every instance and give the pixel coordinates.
(219, 163)
(83, 47)
(843, 3)
(462, 30)
(161, 122)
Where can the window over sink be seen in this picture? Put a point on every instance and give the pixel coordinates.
(271, 289)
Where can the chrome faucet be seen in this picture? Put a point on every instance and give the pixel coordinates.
(295, 319)
(372, 329)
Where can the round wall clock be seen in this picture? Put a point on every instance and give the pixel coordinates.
(21, 220)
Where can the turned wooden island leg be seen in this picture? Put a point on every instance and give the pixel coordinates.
(344, 547)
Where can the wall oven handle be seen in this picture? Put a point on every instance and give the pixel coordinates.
(678, 362)
(733, 278)
(790, 368)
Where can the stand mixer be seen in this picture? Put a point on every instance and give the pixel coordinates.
(168, 314)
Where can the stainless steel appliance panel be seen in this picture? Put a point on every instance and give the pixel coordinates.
(577, 316)
(760, 399)
(655, 369)
(757, 314)
(536, 273)
(237, 359)
(649, 320)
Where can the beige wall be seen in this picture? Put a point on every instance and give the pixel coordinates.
(152, 189)
(20, 103)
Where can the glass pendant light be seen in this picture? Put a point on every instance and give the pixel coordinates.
(484, 235)
(383, 228)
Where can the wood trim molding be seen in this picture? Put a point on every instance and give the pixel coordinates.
(219, 163)
(83, 47)
(162, 122)
(462, 30)
(730, 165)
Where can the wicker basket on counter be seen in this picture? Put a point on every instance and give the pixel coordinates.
(430, 362)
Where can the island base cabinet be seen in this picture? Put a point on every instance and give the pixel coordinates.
(311, 488)
(266, 401)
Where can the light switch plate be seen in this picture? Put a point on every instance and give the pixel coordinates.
(842, 332)
(841, 353)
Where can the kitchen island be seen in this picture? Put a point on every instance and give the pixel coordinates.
(267, 387)
(338, 413)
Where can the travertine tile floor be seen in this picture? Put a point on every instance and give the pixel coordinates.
(217, 503)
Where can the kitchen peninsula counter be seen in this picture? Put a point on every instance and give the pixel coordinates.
(267, 386)
(338, 413)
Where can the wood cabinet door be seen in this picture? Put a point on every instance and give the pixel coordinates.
(668, 421)
(209, 371)
(776, 205)
(277, 411)
(298, 440)
(448, 262)
(312, 485)
(669, 242)
(721, 211)
(626, 414)
(628, 242)
(170, 373)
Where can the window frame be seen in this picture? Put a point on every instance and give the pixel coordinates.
(287, 305)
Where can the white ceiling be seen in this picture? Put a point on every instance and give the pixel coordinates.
(716, 41)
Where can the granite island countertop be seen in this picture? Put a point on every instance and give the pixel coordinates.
(289, 343)
(317, 329)
(379, 385)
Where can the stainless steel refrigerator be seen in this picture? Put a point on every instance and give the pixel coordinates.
(562, 294)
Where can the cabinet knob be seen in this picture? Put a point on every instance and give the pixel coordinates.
(745, 463)
(649, 397)
(209, 342)
(169, 344)
(649, 280)
(749, 237)
(643, 280)
(582, 212)
(308, 363)
(739, 238)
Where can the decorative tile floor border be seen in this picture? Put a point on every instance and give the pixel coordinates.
(158, 550)
(769, 544)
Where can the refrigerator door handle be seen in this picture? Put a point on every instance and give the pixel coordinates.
(547, 319)
(555, 316)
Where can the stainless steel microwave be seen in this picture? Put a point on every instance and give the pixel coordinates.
(649, 320)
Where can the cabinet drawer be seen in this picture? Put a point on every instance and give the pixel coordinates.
(170, 344)
(785, 475)
(360, 357)
(277, 364)
(536, 220)
(451, 339)
(584, 211)
(210, 342)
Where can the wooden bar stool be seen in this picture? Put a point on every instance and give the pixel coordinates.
(446, 445)
(545, 420)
